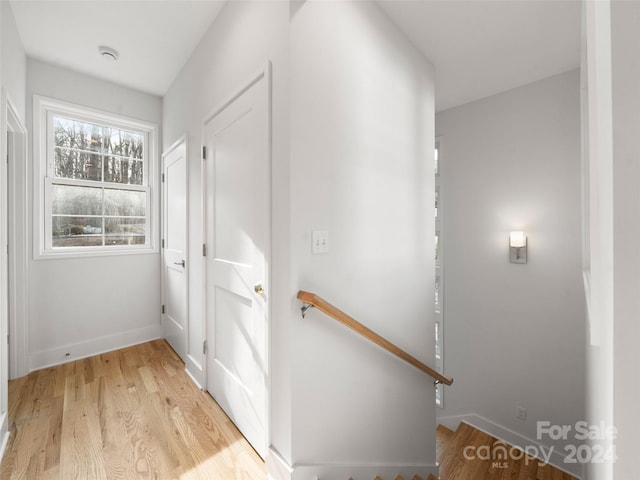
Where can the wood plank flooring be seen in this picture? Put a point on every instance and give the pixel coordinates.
(450, 448)
(129, 414)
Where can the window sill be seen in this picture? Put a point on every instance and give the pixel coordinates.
(62, 254)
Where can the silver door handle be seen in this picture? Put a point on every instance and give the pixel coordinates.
(182, 263)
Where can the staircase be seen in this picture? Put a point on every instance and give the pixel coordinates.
(450, 455)
(467, 453)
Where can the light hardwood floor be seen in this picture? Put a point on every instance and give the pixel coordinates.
(450, 448)
(128, 414)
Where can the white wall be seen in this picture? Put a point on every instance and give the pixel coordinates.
(362, 148)
(240, 42)
(84, 306)
(14, 73)
(613, 114)
(514, 334)
(12, 80)
(599, 249)
(4, 300)
(14, 60)
(625, 42)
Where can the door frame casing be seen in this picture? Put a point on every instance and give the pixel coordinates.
(207, 171)
(182, 140)
(18, 212)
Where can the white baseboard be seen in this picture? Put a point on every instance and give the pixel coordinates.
(3, 444)
(193, 378)
(195, 371)
(279, 469)
(512, 438)
(95, 346)
(360, 472)
(4, 433)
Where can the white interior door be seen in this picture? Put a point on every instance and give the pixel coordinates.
(238, 216)
(174, 253)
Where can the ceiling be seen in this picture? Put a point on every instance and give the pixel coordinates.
(479, 47)
(154, 37)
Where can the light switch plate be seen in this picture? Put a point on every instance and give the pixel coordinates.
(319, 241)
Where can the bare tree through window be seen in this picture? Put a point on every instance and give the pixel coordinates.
(93, 198)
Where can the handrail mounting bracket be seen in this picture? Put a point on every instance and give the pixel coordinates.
(304, 308)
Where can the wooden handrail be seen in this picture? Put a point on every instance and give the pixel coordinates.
(325, 307)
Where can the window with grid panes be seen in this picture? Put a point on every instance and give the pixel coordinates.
(96, 172)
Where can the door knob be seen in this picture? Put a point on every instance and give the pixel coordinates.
(180, 263)
(258, 288)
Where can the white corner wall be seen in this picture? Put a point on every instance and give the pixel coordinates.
(514, 334)
(625, 70)
(362, 146)
(4, 300)
(84, 306)
(240, 42)
(14, 61)
(363, 140)
(599, 229)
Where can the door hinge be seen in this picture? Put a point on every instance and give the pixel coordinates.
(163, 178)
(163, 309)
(162, 242)
(205, 347)
(204, 152)
(204, 249)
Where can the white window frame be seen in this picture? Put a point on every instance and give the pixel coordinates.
(44, 109)
(439, 272)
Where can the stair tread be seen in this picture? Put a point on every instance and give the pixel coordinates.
(443, 438)
(453, 458)
(444, 431)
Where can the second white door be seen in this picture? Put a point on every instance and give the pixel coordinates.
(174, 251)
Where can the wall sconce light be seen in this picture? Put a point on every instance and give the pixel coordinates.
(517, 247)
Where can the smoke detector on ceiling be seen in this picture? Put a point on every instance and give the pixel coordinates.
(108, 53)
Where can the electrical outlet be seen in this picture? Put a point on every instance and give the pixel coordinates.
(521, 413)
